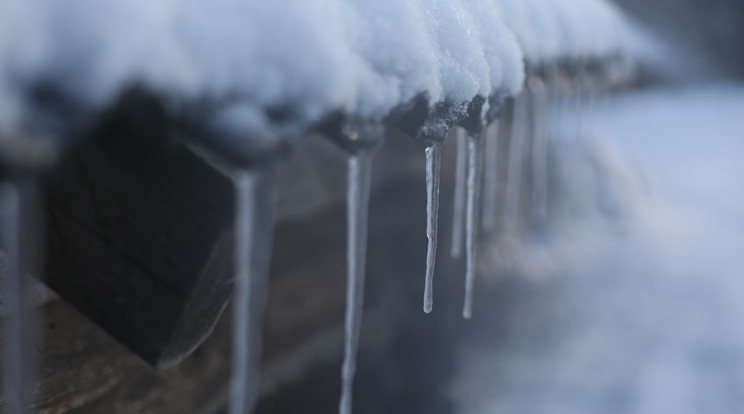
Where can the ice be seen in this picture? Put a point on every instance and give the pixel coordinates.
(458, 217)
(360, 172)
(253, 236)
(433, 165)
(18, 341)
(540, 146)
(491, 177)
(471, 228)
(516, 158)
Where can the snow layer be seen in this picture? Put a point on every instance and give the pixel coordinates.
(500, 47)
(549, 30)
(393, 39)
(291, 57)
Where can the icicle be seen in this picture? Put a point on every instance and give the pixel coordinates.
(491, 179)
(471, 228)
(540, 159)
(253, 225)
(360, 172)
(514, 174)
(433, 164)
(18, 325)
(458, 217)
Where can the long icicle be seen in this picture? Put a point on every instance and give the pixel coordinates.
(433, 166)
(18, 333)
(540, 160)
(458, 215)
(491, 177)
(474, 173)
(253, 224)
(360, 172)
(514, 173)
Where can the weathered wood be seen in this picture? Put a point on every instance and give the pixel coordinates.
(87, 371)
(138, 235)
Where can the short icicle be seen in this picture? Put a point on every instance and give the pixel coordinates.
(458, 215)
(18, 334)
(471, 228)
(433, 166)
(360, 172)
(253, 234)
(491, 177)
(514, 173)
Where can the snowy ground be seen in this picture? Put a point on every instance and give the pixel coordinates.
(636, 308)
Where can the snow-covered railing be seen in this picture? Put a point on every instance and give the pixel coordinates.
(247, 79)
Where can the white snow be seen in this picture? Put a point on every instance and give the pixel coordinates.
(549, 30)
(392, 38)
(304, 59)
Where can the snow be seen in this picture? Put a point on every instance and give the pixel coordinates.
(552, 30)
(299, 58)
(393, 39)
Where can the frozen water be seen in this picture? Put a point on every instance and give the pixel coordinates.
(471, 227)
(246, 335)
(433, 165)
(491, 177)
(17, 336)
(540, 146)
(516, 159)
(360, 172)
(458, 215)
(253, 232)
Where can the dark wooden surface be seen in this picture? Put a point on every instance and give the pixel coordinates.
(405, 354)
(139, 238)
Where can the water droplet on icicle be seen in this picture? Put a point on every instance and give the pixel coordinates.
(491, 177)
(458, 217)
(514, 173)
(253, 234)
(433, 166)
(471, 227)
(18, 340)
(360, 172)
